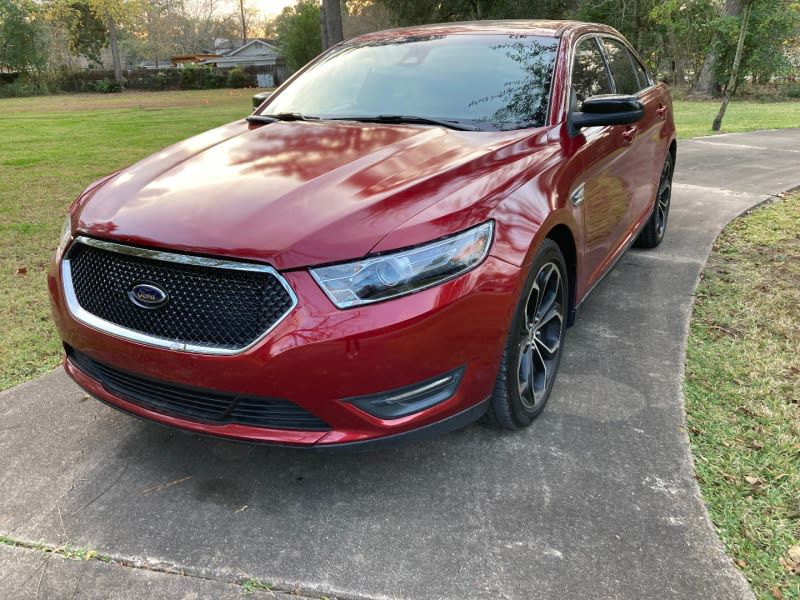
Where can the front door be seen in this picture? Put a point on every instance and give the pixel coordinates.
(605, 156)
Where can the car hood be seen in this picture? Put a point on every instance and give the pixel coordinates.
(290, 193)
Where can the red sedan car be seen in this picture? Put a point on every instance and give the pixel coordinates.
(390, 246)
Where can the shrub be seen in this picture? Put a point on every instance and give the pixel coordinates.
(13, 90)
(65, 79)
(24, 86)
(239, 78)
(108, 86)
(191, 78)
(160, 80)
(215, 79)
(6, 78)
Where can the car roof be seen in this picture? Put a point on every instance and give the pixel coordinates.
(545, 28)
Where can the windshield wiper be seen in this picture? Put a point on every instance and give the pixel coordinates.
(407, 119)
(285, 116)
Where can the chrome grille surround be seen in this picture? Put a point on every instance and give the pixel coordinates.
(88, 318)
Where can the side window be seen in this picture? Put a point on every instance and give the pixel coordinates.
(621, 65)
(589, 74)
(644, 78)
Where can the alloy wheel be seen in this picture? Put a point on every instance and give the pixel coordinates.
(664, 195)
(540, 336)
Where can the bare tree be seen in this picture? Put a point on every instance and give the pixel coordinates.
(244, 18)
(331, 23)
(707, 80)
(737, 59)
(112, 42)
(199, 22)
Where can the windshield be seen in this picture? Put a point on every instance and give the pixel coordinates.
(491, 82)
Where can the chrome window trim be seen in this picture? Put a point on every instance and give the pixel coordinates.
(598, 36)
(570, 66)
(632, 55)
(82, 315)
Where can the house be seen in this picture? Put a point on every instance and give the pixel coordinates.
(106, 60)
(255, 53)
(151, 65)
(193, 59)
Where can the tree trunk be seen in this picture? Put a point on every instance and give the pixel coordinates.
(331, 15)
(737, 59)
(676, 64)
(243, 18)
(112, 42)
(323, 27)
(707, 83)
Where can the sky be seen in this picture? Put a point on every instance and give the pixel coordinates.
(271, 8)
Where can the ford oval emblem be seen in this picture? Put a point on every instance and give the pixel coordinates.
(147, 295)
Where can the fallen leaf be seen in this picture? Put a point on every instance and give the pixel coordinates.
(756, 484)
(741, 564)
(21, 271)
(791, 562)
(776, 593)
(786, 566)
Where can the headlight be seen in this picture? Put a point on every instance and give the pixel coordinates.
(66, 235)
(400, 273)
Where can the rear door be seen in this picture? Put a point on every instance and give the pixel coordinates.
(647, 147)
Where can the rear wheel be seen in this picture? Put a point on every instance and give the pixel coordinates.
(653, 233)
(533, 349)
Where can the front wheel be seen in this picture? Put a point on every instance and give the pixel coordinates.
(653, 233)
(533, 349)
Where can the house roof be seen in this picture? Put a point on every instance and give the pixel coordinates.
(250, 43)
(198, 56)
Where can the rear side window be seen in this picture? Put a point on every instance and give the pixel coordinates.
(621, 64)
(644, 78)
(589, 74)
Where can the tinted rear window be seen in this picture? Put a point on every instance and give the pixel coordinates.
(490, 81)
(620, 62)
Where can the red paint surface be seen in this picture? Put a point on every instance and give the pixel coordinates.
(298, 194)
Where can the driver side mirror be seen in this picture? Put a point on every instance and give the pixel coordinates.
(606, 109)
(259, 98)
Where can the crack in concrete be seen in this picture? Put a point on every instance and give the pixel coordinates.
(105, 490)
(295, 590)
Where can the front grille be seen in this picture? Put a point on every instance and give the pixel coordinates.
(197, 404)
(220, 307)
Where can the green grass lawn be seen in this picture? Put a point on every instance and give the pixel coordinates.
(52, 147)
(694, 118)
(743, 394)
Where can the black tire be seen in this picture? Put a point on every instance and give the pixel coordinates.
(653, 233)
(529, 340)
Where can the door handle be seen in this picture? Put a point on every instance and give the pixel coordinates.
(661, 111)
(629, 134)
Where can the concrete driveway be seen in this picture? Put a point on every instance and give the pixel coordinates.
(596, 500)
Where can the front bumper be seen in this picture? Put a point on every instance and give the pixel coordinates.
(318, 357)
